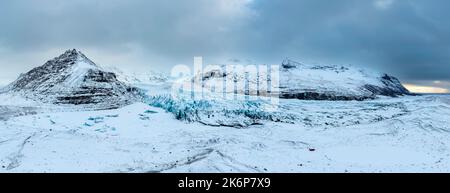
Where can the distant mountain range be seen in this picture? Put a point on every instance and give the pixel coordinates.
(74, 79)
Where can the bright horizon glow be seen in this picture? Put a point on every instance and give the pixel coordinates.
(425, 89)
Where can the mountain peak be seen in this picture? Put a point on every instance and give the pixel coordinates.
(72, 78)
(70, 57)
(73, 52)
(70, 54)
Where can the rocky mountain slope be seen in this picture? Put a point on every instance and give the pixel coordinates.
(74, 79)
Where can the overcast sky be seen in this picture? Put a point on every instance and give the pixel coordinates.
(409, 39)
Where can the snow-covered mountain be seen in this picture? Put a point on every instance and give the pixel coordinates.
(72, 78)
(333, 82)
(316, 82)
(137, 78)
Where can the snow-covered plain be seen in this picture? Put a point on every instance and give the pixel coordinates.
(405, 134)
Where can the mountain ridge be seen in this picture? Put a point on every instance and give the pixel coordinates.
(317, 82)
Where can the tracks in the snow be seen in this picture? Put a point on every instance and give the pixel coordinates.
(187, 161)
(198, 157)
(16, 157)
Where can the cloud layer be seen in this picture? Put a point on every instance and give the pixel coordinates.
(407, 38)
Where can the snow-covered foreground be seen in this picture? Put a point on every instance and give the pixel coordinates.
(408, 134)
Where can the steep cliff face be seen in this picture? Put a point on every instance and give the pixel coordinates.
(72, 78)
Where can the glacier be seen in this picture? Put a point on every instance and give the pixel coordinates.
(408, 134)
(219, 112)
(147, 129)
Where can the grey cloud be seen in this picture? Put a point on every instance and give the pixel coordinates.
(407, 38)
(410, 38)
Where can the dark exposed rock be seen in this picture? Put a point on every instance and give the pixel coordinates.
(288, 64)
(392, 88)
(322, 96)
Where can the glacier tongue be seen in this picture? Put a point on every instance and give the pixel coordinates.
(226, 113)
